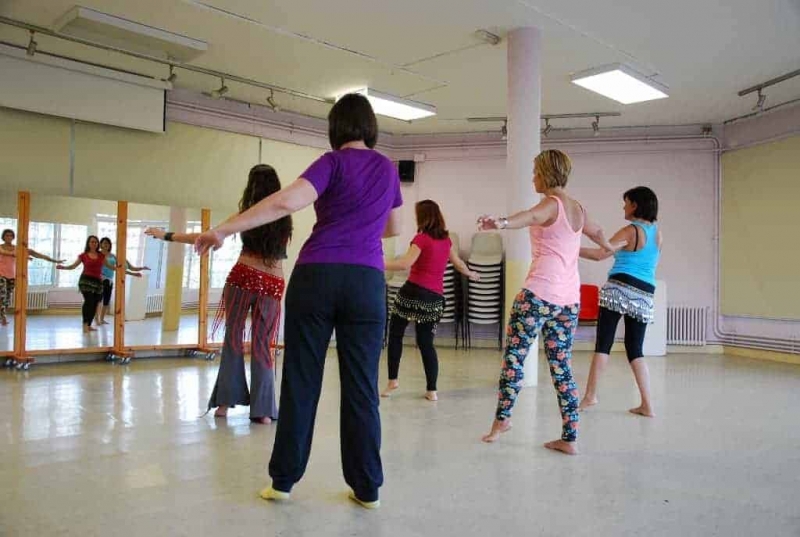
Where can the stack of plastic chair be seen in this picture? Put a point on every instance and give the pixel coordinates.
(453, 311)
(484, 299)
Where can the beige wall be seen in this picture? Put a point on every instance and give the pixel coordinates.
(759, 254)
(187, 166)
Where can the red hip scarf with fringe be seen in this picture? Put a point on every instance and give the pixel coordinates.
(246, 289)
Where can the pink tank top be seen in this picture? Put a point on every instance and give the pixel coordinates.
(8, 267)
(553, 275)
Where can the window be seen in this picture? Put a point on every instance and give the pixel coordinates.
(71, 240)
(191, 262)
(222, 261)
(41, 237)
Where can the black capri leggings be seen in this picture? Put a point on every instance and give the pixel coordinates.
(107, 288)
(607, 327)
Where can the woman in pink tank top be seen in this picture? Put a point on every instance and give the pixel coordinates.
(549, 299)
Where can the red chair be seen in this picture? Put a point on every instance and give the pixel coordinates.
(590, 303)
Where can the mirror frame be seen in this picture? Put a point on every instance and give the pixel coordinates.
(119, 348)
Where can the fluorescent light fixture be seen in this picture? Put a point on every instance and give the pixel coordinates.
(620, 83)
(395, 107)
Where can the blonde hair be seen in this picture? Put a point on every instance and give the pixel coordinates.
(553, 166)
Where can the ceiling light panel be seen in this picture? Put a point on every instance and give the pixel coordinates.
(396, 107)
(620, 83)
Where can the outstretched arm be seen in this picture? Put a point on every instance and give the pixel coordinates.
(132, 268)
(300, 194)
(72, 266)
(37, 255)
(405, 261)
(164, 235)
(595, 234)
(538, 215)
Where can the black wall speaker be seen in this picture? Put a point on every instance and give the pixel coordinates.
(406, 170)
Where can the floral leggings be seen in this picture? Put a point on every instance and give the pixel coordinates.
(529, 315)
(6, 293)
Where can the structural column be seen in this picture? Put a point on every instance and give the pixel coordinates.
(524, 111)
(173, 290)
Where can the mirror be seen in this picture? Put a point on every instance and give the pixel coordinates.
(161, 303)
(8, 270)
(63, 303)
(220, 264)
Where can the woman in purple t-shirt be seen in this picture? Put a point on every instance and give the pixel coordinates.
(337, 284)
(421, 299)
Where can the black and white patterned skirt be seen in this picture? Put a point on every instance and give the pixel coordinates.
(629, 296)
(415, 303)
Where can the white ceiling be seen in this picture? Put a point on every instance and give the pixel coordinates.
(704, 51)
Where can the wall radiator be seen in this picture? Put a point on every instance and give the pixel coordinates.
(37, 300)
(686, 325)
(154, 304)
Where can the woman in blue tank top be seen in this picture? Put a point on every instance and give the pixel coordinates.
(628, 293)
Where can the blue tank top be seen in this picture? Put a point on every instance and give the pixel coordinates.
(640, 264)
(108, 274)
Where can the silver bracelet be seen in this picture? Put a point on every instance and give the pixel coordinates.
(502, 222)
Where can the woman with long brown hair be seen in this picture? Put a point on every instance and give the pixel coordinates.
(421, 299)
(255, 285)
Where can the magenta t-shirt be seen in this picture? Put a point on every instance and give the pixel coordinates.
(357, 189)
(428, 270)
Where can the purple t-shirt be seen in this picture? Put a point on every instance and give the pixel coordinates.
(357, 190)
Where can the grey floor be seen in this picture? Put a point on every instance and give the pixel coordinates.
(97, 449)
(58, 332)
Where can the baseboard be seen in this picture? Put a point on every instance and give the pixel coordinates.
(758, 354)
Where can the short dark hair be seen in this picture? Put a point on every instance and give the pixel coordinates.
(106, 239)
(13, 235)
(350, 120)
(646, 203)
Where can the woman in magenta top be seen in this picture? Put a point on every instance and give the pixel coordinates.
(337, 284)
(90, 283)
(549, 299)
(421, 299)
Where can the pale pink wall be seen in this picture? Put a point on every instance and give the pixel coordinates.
(681, 172)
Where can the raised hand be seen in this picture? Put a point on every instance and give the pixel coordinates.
(211, 239)
(487, 222)
(155, 232)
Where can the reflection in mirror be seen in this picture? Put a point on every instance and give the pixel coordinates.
(220, 264)
(65, 299)
(161, 306)
(8, 269)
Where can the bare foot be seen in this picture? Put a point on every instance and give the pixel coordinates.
(643, 410)
(431, 396)
(587, 402)
(263, 421)
(392, 386)
(4, 321)
(570, 448)
(221, 412)
(498, 428)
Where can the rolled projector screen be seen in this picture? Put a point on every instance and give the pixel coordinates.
(64, 88)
